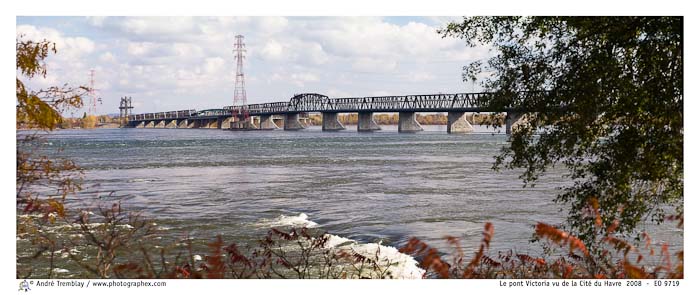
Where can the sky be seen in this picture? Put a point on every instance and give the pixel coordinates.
(177, 63)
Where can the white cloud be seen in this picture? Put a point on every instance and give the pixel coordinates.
(273, 50)
(300, 79)
(69, 47)
(214, 65)
(380, 93)
(97, 21)
(373, 65)
(139, 48)
(155, 28)
(273, 24)
(107, 57)
(421, 76)
(189, 61)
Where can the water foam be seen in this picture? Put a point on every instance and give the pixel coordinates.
(301, 220)
(400, 265)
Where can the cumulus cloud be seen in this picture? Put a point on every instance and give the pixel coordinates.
(188, 62)
(373, 65)
(214, 65)
(107, 57)
(421, 76)
(70, 47)
(272, 50)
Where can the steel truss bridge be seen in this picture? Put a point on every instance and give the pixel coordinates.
(314, 102)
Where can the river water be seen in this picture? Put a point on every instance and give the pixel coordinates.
(380, 187)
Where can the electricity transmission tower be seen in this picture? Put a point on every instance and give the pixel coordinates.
(239, 109)
(92, 104)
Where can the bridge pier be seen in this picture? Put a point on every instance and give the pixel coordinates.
(365, 122)
(182, 123)
(279, 121)
(512, 121)
(160, 124)
(150, 124)
(457, 123)
(267, 123)
(141, 124)
(252, 124)
(226, 123)
(408, 123)
(243, 125)
(304, 120)
(171, 124)
(291, 122)
(331, 123)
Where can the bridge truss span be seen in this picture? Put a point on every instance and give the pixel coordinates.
(455, 104)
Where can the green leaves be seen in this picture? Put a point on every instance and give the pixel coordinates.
(609, 106)
(31, 55)
(41, 109)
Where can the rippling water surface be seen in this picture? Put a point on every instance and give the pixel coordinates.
(371, 187)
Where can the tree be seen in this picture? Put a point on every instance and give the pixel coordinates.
(42, 181)
(605, 95)
(88, 122)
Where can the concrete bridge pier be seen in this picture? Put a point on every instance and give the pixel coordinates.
(513, 119)
(196, 123)
(213, 123)
(141, 124)
(365, 122)
(457, 123)
(253, 123)
(267, 123)
(291, 122)
(279, 121)
(304, 120)
(408, 123)
(160, 124)
(225, 122)
(150, 124)
(182, 123)
(248, 124)
(171, 124)
(331, 123)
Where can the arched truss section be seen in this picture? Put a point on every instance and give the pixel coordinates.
(307, 102)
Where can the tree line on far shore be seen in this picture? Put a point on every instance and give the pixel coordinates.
(89, 122)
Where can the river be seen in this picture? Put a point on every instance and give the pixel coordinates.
(379, 187)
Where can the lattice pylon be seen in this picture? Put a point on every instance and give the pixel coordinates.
(239, 95)
(92, 107)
